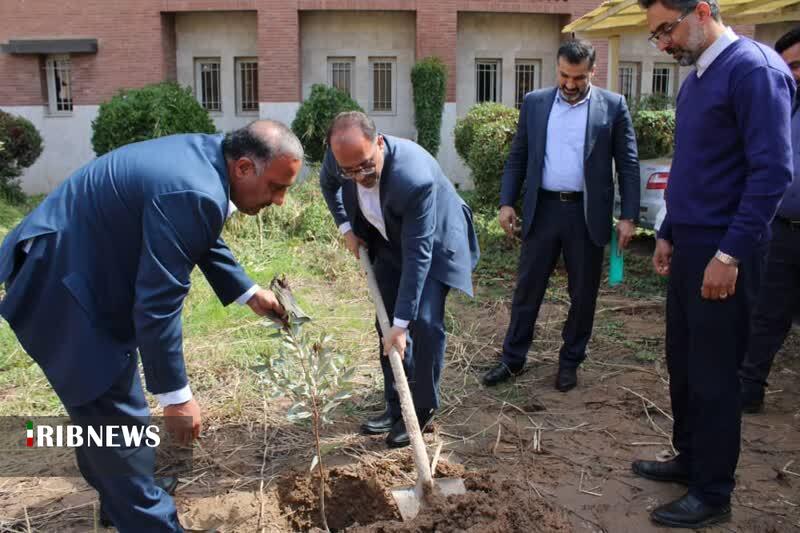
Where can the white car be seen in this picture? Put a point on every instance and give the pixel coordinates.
(653, 178)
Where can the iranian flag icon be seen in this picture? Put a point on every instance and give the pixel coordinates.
(29, 441)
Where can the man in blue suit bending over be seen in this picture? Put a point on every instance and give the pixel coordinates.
(390, 195)
(106, 260)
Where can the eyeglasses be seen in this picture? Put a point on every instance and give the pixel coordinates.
(365, 169)
(664, 35)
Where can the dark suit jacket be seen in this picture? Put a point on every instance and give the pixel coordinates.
(428, 224)
(609, 137)
(110, 263)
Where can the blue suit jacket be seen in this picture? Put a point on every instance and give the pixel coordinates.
(109, 266)
(428, 224)
(609, 138)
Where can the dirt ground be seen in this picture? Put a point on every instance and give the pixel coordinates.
(533, 459)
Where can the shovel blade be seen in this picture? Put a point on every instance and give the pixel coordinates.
(409, 500)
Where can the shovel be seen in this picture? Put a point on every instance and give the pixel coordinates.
(409, 500)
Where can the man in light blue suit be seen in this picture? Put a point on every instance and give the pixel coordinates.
(390, 195)
(561, 165)
(99, 271)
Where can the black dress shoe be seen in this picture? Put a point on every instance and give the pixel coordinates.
(167, 483)
(380, 424)
(502, 372)
(672, 471)
(752, 399)
(398, 436)
(566, 379)
(690, 512)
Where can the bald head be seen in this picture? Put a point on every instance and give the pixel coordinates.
(352, 126)
(261, 141)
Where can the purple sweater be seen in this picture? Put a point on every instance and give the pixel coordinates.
(733, 156)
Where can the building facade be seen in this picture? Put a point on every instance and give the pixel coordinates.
(246, 59)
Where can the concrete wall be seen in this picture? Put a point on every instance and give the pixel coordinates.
(769, 33)
(508, 37)
(227, 35)
(362, 36)
(635, 48)
(67, 144)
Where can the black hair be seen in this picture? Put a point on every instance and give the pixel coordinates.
(577, 51)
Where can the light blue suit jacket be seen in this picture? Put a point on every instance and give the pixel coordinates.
(109, 267)
(429, 227)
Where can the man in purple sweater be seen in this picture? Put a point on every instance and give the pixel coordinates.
(732, 164)
(780, 286)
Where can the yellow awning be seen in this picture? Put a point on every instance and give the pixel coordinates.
(615, 17)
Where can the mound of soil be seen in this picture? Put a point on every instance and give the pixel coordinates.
(359, 500)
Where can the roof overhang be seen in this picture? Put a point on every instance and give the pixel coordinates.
(50, 46)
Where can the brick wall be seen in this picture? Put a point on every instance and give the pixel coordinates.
(130, 47)
(137, 39)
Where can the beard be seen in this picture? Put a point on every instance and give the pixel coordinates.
(369, 182)
(688, 55)
(575, 96)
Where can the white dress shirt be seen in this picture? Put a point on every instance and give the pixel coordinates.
(369, 200)
(712, 52)
(566, 138)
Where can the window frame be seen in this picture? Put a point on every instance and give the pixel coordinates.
(498, 77)
(672, 68)
(198, 82)
(238, 86)
(392, 61)
(351, 62)
(537, 78)
(636, 83)
(51, 64)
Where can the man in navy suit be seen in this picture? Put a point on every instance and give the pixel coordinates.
(560, 163)
(390, 195)
(105, 261)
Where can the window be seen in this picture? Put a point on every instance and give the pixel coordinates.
(526, 79)
(340, 73)
(629, 76)
(663, 79)
(59, 84)
(207, 83)
(383, 89)
(487, 80)
(246, 85)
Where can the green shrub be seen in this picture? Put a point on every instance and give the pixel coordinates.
(655, 133)
(315, 116)
(429, 79)
(483, 139)
(303, 216)
(153, 111)
(479, 114)
(20, 146)
(652, 102)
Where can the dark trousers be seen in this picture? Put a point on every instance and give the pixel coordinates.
(129, 495)
(558, 227)
(426, 340)
(706, 342)
(777, 300)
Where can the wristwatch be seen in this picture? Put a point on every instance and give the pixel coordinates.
(726, 259)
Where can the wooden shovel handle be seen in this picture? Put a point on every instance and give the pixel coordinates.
(401, 383)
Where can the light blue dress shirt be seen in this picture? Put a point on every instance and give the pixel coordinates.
(566, 137)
